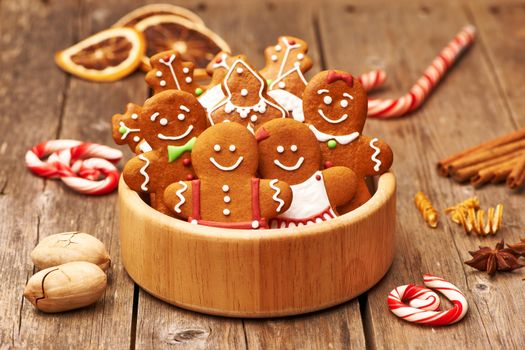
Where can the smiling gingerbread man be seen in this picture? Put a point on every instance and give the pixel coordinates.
(335, 109)
(169, 122)
(289, 151)
(227, 193)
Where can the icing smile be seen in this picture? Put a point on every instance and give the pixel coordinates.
(290, 168)
(332, 121)
(227, 168)
(175, 138)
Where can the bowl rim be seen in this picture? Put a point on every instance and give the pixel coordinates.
(386, 188)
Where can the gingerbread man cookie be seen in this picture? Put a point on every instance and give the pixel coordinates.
(169, 122)
(289, 53)
(289, 151)
(126, 130)
(217, 69)
(169, 72)
(288, 92)
(246, 101)
(335, 108)
(227, 193)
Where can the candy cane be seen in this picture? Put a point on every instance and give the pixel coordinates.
(373, 79)
(77, 164)
(423, 303)
(393, 108)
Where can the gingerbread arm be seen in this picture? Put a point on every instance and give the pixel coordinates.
(275, 197)
(178, 198)
(340, 183)
(379, 156)
(125, 127)
(139, 172)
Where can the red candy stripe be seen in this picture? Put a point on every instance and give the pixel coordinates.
(373, 79)
(78, 164)
(423, 303)
(394, 108)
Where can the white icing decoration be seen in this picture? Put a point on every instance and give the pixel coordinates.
(293, 148)
(300, 56)
(332, 121)
(255, 224)
(244, 92)
(341, 139)
(239, 70)
(136, 138)
(344, 103)
(290, 72)
(280, 149)
(243, 111)
(225, 188)
(194, 222)
(143, 172)
(175, 138)
(290, 102)
(211, 97)
(222, 63)
(145, 147)
(275, 196)
(217, 148)
(327, 100)
(226, 212)
(278, 48)
(227, 199)
(179, 193)
(158, 74)
(184, 108)
(154, 116)
(185, 70)
(169, 63)
(163, 121)
(188, 80)
(232, 148)
(377, 162)
(227, 168)
(289, 168)
(181, 117)
(348, 95)
(253, 118)
(128, 130)
(282, 85)
(162, 83)
(134, 116)
(274, 58)
(322, 91)
(286, 53)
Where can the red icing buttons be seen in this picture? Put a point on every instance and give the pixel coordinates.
(189, 177)
(318, 177)
(218, 60)
(328, 164)
(291, 42)
(186, 161)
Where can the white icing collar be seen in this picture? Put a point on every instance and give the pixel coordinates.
(341, 139)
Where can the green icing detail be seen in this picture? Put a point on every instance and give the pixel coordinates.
(174, 152)
(269, 82)
(198, 91)
(122, 130)
(332, 144)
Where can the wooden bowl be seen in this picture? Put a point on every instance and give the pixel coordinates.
(259, 273)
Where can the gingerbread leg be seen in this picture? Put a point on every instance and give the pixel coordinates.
(361, 196)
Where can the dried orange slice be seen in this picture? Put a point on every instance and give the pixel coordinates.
(143, 12)
(194, 42)
(106, 56)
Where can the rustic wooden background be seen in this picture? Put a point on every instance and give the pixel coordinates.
(481, 98)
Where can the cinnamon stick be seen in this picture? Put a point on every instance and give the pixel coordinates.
(489, 174)
(443, 165)
(516, 178)
(466, 173)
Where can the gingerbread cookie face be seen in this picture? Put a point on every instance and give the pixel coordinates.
(287, 151)
(335, 103)
(246, 101)
(169, 72)
(289, 52)
(230, 152)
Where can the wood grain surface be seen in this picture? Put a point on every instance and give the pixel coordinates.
(481, 98)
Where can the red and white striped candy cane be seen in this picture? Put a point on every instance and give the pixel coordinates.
(373, 79)
(78, 164)
(393, 108)
(424, 304)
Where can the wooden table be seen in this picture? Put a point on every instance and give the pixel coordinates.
(480, 99)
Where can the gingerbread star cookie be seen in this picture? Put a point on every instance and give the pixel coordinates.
(227, 192)
(169, 72)
(335, 109)
(169, 122)
(289, 151)
(246, 99)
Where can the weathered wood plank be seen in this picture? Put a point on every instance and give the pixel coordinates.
(247, 28)
(461, 113)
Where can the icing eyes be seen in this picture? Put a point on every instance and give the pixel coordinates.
(293, 148)
(188, 80)
(185, 70)
(217, 148)
(239, 70)
(181, 117)
(274, 58)
(280, 149)
(158, 74)
(278, 48)
(232, 148)
(134, 116)
(327, 100)
(344, 103)
(163, 121)
(300, 56)
(244, 92)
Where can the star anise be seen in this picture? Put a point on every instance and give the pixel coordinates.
(518, 247)
(497, 259)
